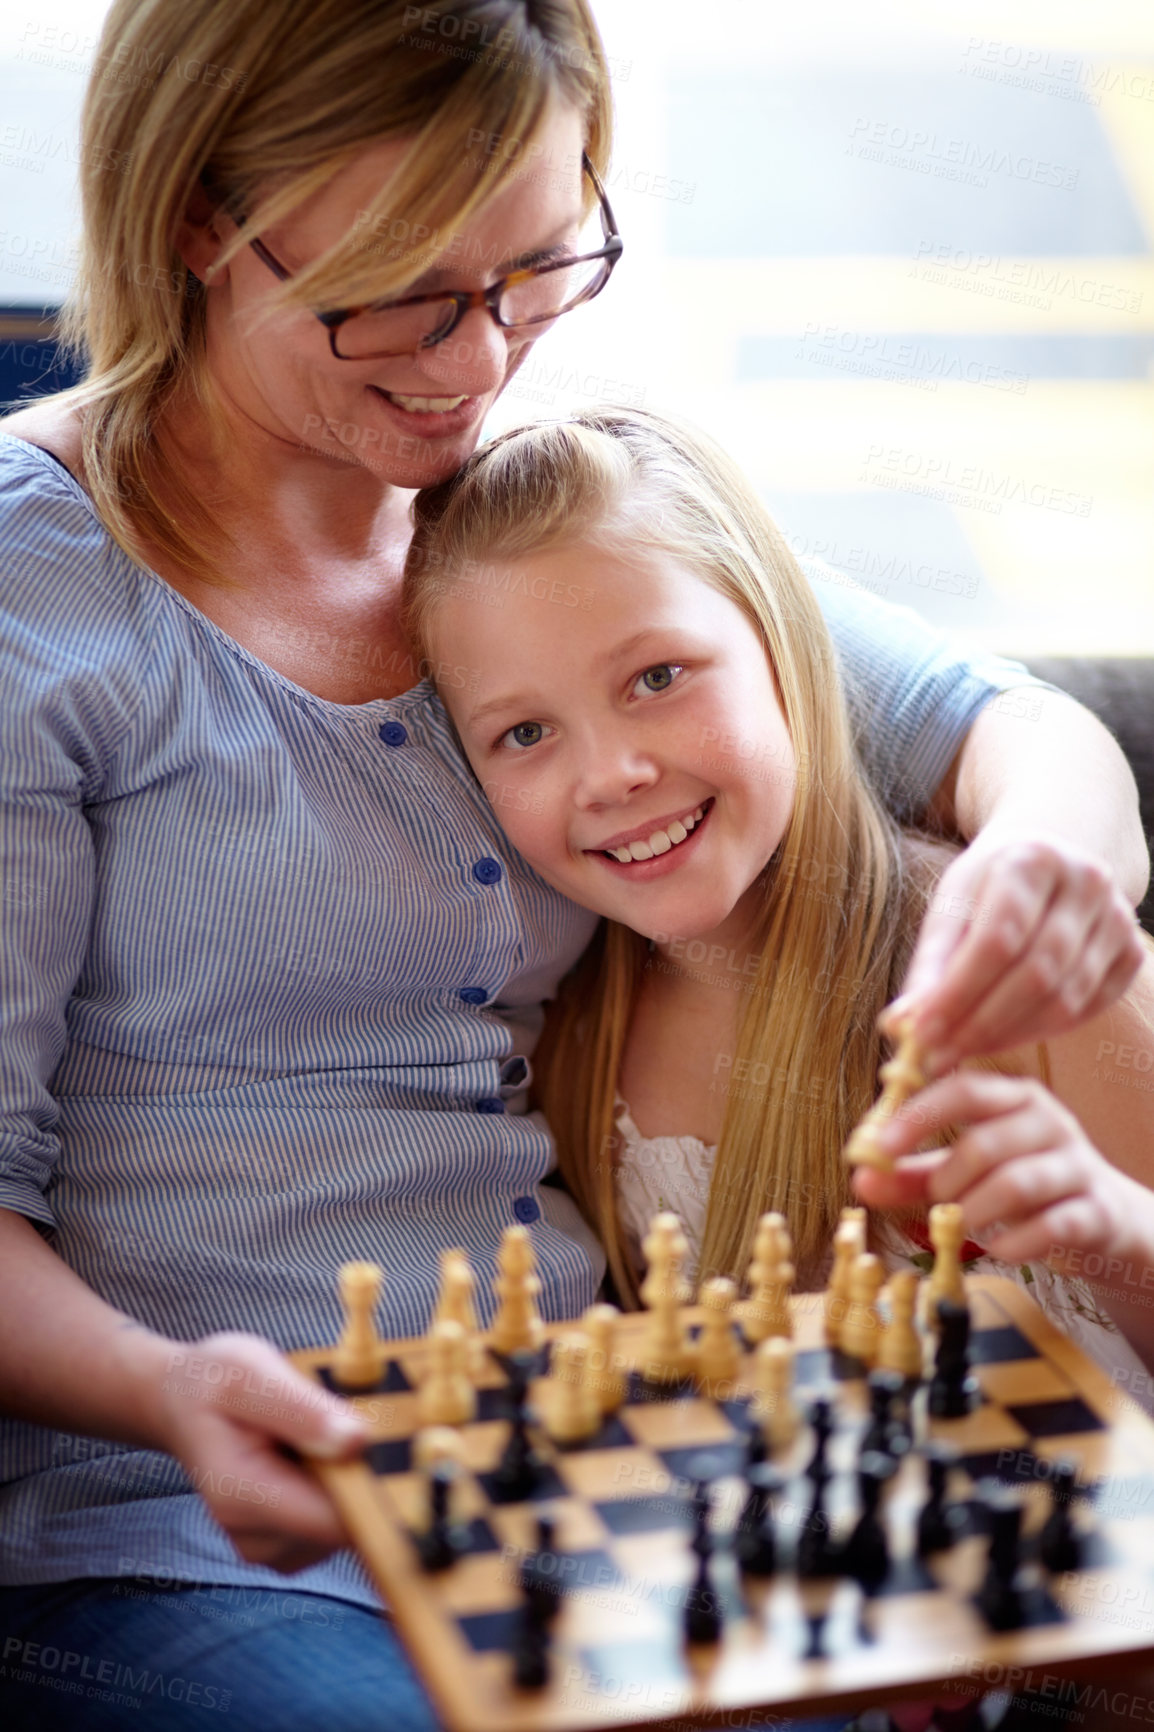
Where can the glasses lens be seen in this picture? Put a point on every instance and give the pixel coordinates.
(549, 293)
(393, 330)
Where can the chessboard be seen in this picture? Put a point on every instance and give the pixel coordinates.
(665, 1478)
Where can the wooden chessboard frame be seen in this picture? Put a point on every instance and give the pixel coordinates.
(473, 1692)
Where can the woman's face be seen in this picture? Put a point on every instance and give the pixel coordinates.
(622, 718)
(410, 419)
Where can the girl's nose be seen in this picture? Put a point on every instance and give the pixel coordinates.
(612, 774)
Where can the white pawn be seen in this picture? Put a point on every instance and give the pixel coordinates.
(901, 1345)
(665, 1352)
(357, 1361)
(718, 1353)
(517, 1326)
(455, 1305)
(771, 1273)
(605, 1373)
(861, 1331)
(848, 1244)
(446, 1396)
(773, 1403)
(572, 1411)
(947, 1230)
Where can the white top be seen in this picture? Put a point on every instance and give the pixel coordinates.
(655, 1173)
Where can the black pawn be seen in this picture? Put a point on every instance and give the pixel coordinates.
(1059, 1543)
(1000, 1598)
(888, 1429)
(703, 1620)
(438, 1546)
(867, 1554)
(822, 1425)
(540, 1603)
(816, 1552)
(754, 1542)
(953, 1391)
(939, 1522)
(518, 1473)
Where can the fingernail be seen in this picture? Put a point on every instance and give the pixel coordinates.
(335, 1442)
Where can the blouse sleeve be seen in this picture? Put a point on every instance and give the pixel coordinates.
(913, 693)
(71, 667)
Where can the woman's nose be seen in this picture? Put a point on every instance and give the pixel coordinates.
(473, 359)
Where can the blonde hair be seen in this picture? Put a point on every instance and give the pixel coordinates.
(265, 101)
(828, 947)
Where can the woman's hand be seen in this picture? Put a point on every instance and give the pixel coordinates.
(1026, 937)
(1031, 1184)
(225, 1407)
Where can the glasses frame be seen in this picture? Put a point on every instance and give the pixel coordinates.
(465, 300)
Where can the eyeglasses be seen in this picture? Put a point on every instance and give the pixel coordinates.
(533, 296)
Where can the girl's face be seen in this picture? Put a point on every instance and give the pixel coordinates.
(410, 419)
(622, 718)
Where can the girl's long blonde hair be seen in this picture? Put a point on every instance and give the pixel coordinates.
(265, 101)
(830, 923)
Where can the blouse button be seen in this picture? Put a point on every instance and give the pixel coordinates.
(486, 870)
(474, 994)
(526, 1209)
(491, 1104)
(394, 733)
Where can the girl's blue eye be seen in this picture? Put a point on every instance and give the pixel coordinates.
(659, 678)
(524, 734)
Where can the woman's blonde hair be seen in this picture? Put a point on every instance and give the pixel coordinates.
(263, 102)
(830, 924)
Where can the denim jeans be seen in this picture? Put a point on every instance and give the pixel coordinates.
(101, 1656)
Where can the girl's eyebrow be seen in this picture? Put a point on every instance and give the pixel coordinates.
(516, 700)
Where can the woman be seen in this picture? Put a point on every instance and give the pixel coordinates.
(272, 975)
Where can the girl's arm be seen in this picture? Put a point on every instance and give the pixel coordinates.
(1064, 1180)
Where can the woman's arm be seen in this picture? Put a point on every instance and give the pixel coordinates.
(221, 1406)
(1031, 930)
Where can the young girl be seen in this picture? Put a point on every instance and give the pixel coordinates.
(652, 706)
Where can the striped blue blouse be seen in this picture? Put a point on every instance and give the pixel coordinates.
(269, 981)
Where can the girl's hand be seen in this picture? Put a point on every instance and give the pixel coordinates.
(225, 1406)
(1026, 937)
(1031, 1184)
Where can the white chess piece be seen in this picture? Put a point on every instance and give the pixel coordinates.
(358, 1357)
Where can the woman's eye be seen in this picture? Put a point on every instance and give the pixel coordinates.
(659, 678)
(524, 734)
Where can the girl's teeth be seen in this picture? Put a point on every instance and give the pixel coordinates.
(660, 842)
(424, 405)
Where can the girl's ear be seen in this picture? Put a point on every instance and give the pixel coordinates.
(199, 241)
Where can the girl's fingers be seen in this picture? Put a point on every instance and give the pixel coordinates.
(1016, 1192)
(996, 1146)
(1074, 1223)
(901, 1188)
(968, 1097)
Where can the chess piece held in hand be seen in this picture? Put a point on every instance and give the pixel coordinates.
(901, 1077)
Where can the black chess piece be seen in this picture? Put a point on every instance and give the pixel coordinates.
(703, 1618)
(822, 1425)
(867, 1555)
(889, 1428)
(540, 1604)
(953, 1389)
(518, 1473)
(1060, 1545)
(439, 1545)
(754, 1541)
(1000, 1599)
(816, 1552)
(939, 1523)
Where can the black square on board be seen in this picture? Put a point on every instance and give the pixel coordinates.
(1068, 1413)
(392, 1381)
(644, 1515)
(549, 1484)
(394, 1455)
(998, 1346)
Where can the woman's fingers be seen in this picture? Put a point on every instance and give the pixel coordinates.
(1041, 940)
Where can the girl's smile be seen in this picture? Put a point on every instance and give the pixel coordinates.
(633, 743)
